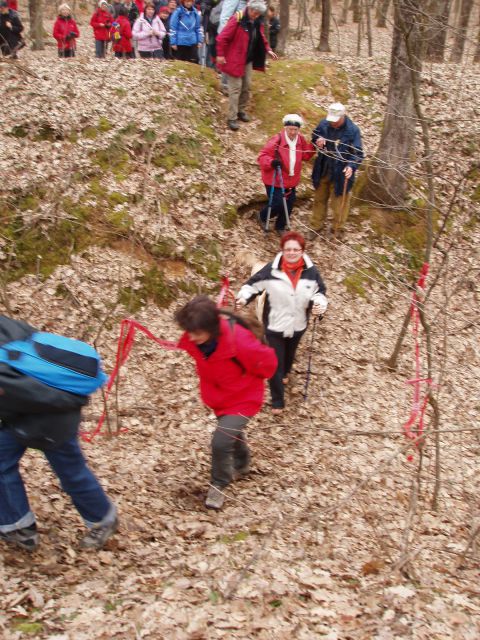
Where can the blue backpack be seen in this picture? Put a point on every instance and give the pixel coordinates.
(57, 361)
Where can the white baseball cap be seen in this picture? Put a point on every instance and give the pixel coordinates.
(335, 112)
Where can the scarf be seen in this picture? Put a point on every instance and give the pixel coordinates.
(293, 270)
(293, 153)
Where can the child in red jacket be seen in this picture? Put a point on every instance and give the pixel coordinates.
(65, 32)
(232, 365)
(121, 35)
(101, 21)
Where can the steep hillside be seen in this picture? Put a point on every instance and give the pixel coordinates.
(123, 194)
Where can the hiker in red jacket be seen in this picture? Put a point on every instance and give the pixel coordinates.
(121, 35)
(283, 153)
(65, 32)
(101, 21)
(241, 47)
(232, 365)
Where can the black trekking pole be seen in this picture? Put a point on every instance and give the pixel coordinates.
(309, 365)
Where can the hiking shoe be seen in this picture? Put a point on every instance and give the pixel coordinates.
(244, 117)
(233, 125)
(98, 535)
(215, 498)
(241, 472)
(26, 538)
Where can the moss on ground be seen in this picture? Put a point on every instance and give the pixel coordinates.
(285, 87)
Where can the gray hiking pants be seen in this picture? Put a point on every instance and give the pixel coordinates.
(239, 92)
(229, 449)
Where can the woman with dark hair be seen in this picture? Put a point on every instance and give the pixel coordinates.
(294, 288)
(232, 365)
(149, 32)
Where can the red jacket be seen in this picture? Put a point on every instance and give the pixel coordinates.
(62, 29)
(232, 44)
(101, 17)
(124, 45)
(13, 4)
(304, 151)
(232, 379)
(140, 6)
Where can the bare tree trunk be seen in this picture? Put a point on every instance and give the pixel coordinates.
(284, 16)
(436, 32)
(344, 16)
(357, 10)
(318, 5)
(386, 183)
(325, 27)
(476, 55)
(35, 10)
(382, 12)
(359, 33)
(461, 31)
(369, 27)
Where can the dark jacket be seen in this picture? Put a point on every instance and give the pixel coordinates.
(10, 37)
(36, 414)
(65, 32)
(233, 42)
(343, 148)
(273, 30)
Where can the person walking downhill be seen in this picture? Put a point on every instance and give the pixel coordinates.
(39, 416)
(186, 32)
(241, 47)
(340, 153)
(149, 32)
(283, 153)
(232, 365)
(65, 32)
(294, 288)
(101, 21)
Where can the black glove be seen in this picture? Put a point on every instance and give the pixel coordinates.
(72, 34)
(276, 164)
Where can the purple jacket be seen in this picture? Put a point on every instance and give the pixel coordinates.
(143, 32)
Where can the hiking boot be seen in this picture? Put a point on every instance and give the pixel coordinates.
(244, 117)
(98, 535)
(233, 125)
(215, 498)
(26, 538)
(241, 472)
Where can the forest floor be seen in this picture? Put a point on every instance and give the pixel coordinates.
(133, 167)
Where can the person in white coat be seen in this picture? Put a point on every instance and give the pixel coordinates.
(294, 288)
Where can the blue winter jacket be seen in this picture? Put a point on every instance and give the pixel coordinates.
(185, 27)
(343, 148)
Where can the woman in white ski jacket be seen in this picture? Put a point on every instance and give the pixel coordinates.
(294, 288)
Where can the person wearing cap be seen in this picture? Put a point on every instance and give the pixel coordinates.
(101, 21)
(285, 152)
(65, 32)
(241, 47)
(294, 289)
(10, 31)
(165, 15)
(340, 153)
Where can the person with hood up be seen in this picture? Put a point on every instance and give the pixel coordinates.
(101, 21)
(121, 35)
(65, 32)
(241, 47)
(10, 31)
(149, 33)
(232, 365)
(283, 153)
(186, 32)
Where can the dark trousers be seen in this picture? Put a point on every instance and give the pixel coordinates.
(285, 349)
(278, 210)
(155, 55)
(66, 53)
(229, 449)
(125, 54)
(187, 54)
